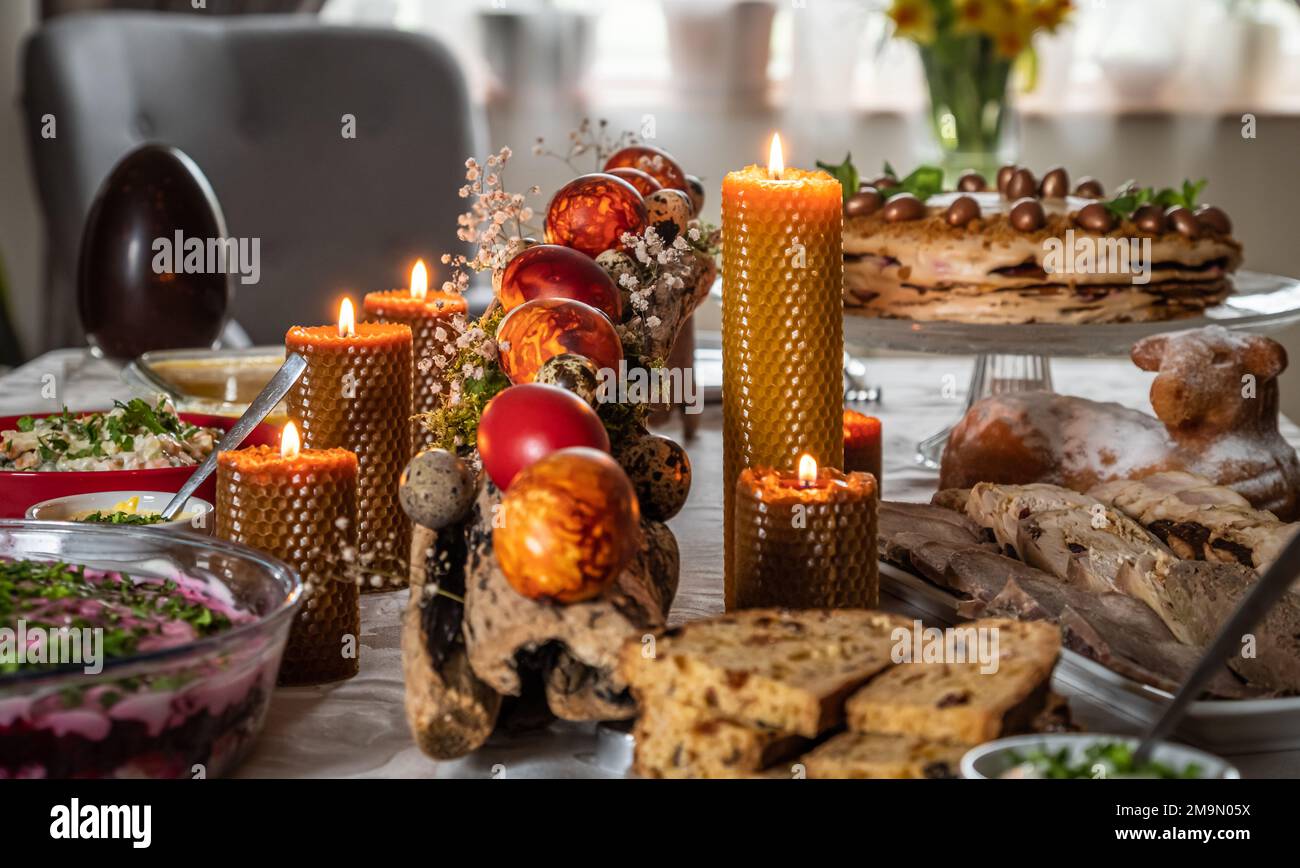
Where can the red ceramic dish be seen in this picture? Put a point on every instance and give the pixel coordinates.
(20, 489)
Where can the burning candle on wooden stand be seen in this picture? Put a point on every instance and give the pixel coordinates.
(864, 445)
(782, 324)
(356, 394)
(432, 316)
(805, 539)
(300, 505)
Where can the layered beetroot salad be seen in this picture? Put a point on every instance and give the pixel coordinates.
(175, 719)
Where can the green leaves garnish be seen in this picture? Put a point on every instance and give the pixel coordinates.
(923, 182)
(26, 423)
(1130, 197)
(846, 173)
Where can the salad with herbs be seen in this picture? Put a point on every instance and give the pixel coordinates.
(134, 614)
(134, 435)
(119, 516)
(1104, 759)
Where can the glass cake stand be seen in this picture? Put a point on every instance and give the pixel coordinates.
(1017, 358)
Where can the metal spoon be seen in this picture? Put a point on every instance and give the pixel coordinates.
(262, 405)
(1274, 583)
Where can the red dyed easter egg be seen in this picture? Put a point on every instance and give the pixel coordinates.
(523, 424)
(552, 271)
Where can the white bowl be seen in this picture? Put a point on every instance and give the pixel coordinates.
(197, 515)
(991, 760)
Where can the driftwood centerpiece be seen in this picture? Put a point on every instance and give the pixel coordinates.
(470, 639)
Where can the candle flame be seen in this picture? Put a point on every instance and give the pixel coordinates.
(347, 319)
(807, 469)
(775, 159)
(419, 279)
(290, 445)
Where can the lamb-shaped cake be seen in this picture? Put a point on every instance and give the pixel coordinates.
(1215, 398)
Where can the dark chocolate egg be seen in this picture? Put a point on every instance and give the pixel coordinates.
(972, 182)
(660, 472)
(1004, 176)
(149, 276)
(1027, 215)
(1055, 184)
(1183, 221)
(963, 210)
(1214, 219)
(1022, 184)
(1095, 218)
(866, 201)
(1089, 188)
(1150, 219)
(903, 206)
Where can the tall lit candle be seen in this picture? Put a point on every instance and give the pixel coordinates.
(782, 324)
(805, 539)
(432, 316)
(300, 505)
(356, 394)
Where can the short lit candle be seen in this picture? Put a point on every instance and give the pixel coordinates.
(805, 540)
(863, 445)
(300, 505)
(782, 323)
(356, 394)
(433, 318)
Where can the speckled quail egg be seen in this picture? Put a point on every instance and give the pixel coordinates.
(668, 211)
(660, 472)
(572, 372)
(695, 189)
(437, 489)
(616, 264)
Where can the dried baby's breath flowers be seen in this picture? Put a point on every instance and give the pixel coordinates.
(588, 139)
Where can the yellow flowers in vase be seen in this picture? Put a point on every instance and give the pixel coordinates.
(968, 48)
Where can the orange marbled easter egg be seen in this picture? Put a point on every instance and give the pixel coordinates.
(568, 526)
(591, 213)
(545, 327)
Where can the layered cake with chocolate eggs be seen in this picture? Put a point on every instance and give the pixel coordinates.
(1030, 252)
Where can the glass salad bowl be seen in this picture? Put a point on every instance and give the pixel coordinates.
(186, 700)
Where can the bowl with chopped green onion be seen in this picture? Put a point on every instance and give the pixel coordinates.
(1079, 755)
(139, 444)
(126, 509)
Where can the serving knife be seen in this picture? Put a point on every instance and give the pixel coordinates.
(1252, 608)
(261, 407)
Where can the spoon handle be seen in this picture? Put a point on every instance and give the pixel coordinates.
(261, 407)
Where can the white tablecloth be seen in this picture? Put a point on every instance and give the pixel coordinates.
(358, 727)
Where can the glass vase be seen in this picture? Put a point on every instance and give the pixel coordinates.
(967, 80)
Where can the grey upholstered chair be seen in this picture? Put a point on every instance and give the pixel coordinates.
(258, 102)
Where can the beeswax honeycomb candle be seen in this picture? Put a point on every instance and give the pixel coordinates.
(300, 508)
(432, 317)
(806, 545)
(356, 394)
(782, 326)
